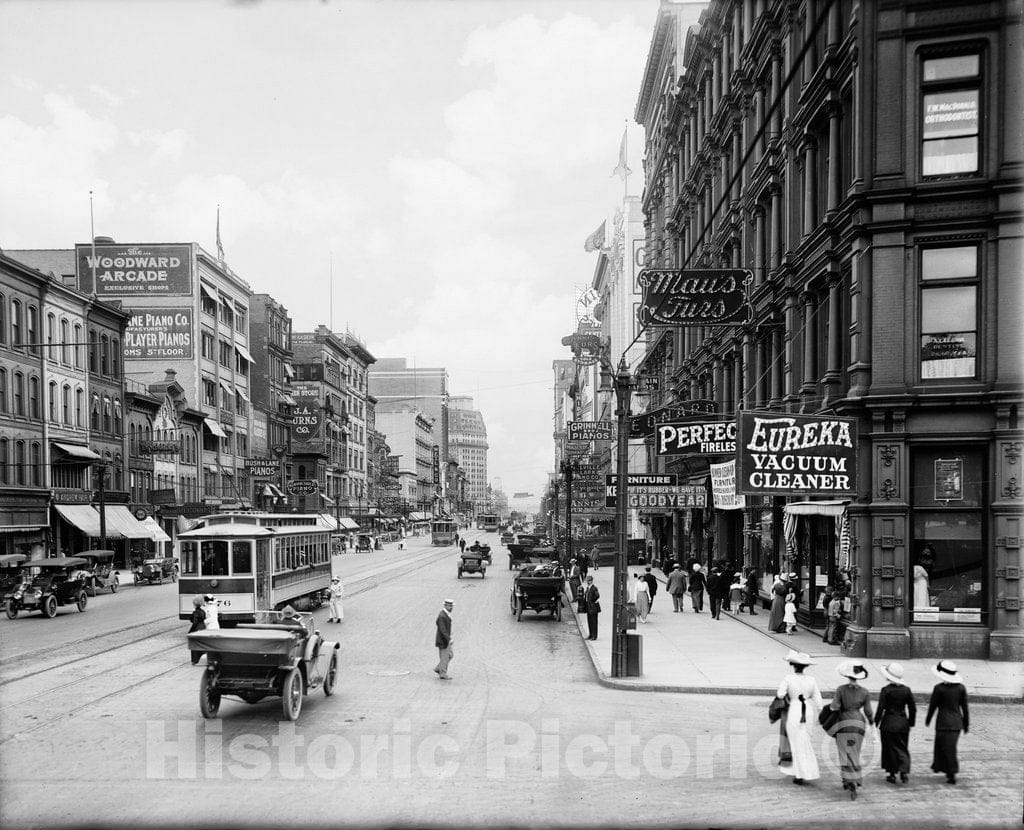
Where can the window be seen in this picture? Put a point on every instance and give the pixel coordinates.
(241, 318)
(949, 312)
(227, 315)
(51, 335)
(5, 461)
(95, 417)
(53, 402)
(104, 355)
(242, 443)
(115, 357)
(36, 464)
(207, 344)
(3, 389)
(33, 397)
(950, 114)
(209, 392)
(16, 324)
(65, 400)
(209, 304)
(117, 416)
(226, 353)
(33, 329)
(19, 462)
(93, 343)
(3, 318)
(79, 399)
(215, 558)
(106, 414)
(78, 346)
(241, 558)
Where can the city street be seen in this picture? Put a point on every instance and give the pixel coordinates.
(523, 734)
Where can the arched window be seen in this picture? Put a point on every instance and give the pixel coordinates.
(19, 462)
(36, 459)
(106, 414)
(118, 472)
(104, 355)
(94, 419)
(65, 342)
(65, 399)
(78, 346)
(16, 324)
(3, 390)
(115, 357)
(33, 397)
(5, 461)
(33, 329)
(93, 345)
(117, 416)
(3, 318)
(52, 402)
(51, 335)
(79, 400)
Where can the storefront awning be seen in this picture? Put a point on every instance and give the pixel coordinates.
(342, 523)
(156, 532)
(81, 516)
(833, 508)
(242, 393)
(244, 352)
(288, 399)
(215, 428)
(209, 292)
(288, 370)
(419, 517)
(76, 451)
(327, 500)
(125, 524)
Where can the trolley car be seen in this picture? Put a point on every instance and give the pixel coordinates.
(255, 562)
(442, 532)
(487, 522)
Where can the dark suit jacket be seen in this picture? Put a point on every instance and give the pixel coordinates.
(592, 597)
(652, 584)
(444, 630)
(896, 711)
(950, 701)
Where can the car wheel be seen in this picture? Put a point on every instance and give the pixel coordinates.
(331, 678)
(90, 588)
(460, 573)
(49, 607)
(291, 694)
(519, 610)
(209, 698)
(512, 603)
(81, 600)
(11, 609)
(115, 585)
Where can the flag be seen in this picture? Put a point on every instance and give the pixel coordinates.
(622, 169)
(595, 242)
(220, 245)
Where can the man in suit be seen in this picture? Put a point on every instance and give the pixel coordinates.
(652, 586)
(593, 597)
(443, 640)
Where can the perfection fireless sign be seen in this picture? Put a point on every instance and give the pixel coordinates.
(135, 270)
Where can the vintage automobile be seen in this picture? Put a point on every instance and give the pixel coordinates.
(539, 588)
(507, 537)
(59, 581)
(156, 570)
(364, 543)
(101, 569)
(472, 562)
(11, 572)
(481, 550)
(522, 550)
(279, 655)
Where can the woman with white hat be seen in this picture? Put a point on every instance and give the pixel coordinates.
(895, 718)
(849, 700)
(949, 704)
(804, 704)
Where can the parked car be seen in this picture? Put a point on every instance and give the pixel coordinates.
(156, 570)
(101, 568)
(11, 572)
(58, 581)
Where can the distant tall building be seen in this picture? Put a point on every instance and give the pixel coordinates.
(398, 387)
(467, 444)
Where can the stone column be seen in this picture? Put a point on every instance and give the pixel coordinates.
(834, 167)
(810, 187)
(809, 336)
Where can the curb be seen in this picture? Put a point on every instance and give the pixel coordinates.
(639, 686)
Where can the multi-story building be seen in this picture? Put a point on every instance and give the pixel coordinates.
(862, 161)
(357, 480)
(467, 445)
(397, 386)
(411, 437)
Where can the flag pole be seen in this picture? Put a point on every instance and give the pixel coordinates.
(330, 314)
(92, 239)
(625, 153)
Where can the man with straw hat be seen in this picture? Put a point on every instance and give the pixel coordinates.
(895, 718)
(949, 706)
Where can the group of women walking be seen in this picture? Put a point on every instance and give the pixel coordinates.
(849, 714)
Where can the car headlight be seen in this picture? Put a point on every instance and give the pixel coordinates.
(38, 593)
(17, 594)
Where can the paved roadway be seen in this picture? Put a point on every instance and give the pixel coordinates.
(522, 736)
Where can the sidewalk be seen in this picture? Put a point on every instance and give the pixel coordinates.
(687, 652)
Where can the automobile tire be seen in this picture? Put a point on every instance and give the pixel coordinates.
(519, 610)
(291, 695)
(49, 607)
(81, 601)
(331, 678)
(91, 589)
(11, 609)
(460, 573)
(115, 585)
(209, 698)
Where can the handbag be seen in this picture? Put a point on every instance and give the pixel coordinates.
(829, 719)
(778, 708)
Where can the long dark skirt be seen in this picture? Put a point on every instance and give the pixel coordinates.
(896, 752)
(785, 754)
(944, 759)
(849, 744)
(775, 621)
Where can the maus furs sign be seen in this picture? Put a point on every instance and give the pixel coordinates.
(807, 454)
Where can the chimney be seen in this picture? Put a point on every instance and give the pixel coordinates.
(170, 376)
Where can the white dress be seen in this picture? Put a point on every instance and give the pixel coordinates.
(805, 764)
(921, 597)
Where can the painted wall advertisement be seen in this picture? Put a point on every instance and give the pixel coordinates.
(135, 270)
(723, 487)
(806, 454)
(159, 334)
(307, 419)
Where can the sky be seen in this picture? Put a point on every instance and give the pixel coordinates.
(445, 160)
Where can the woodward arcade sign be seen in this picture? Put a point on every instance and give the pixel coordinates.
(807, 454)
(694, 297)
(135, 270)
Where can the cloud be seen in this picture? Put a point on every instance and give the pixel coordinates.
(166, 144)
(105, 95)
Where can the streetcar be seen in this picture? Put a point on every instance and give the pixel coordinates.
(442, 532)
(255, 562)
(487, 522)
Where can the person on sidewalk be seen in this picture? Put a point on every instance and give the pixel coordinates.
(574, 579)
(776, 621)
(698, 582)
(462, 545)
(595, 554)
(895, 718)
(849, 700)
(652, 586)
(198, 623)
(677, 587)
(641, 597)
(334, 595)
(751, 591)
(736, 592)
(804, 704)
(789, 617)
(835, 613)
(443, 640)
(726, 569)
(584, 562)
(715, 592)
(949, 706)
(593, 599)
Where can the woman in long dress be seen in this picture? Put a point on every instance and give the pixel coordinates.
(922, 599)
(849, 700)
(642, 597)
(894, 718)
(776, 620)
(949, 705)
(804, 705)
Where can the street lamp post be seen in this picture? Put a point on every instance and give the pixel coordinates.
(623, 393)
(567, 471)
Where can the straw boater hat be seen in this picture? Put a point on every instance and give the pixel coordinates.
(799, 658)
(853, 670)
(893, 672)
(675, 567)
(696, 567)
(946, 671)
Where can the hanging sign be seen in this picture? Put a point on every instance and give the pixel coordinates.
(695, 437)
(642, 426)
(723, 487)
(694, 297)
(590, 430)
(262, 468)
(807, 454)
(307, 418)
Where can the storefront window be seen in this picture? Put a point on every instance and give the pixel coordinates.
(948, 573)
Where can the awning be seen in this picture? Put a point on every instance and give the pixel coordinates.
(81, 516)
(834, 508)
(227, 387)
(344, 523)
(156, 532)
(288, 370)
(215, 428)
(327, 500)
(244, 352)
(419, 517)
(242, 393)
(121, 520)
(76, 451)
(288, 399)
(209, 292)
(276, 491)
